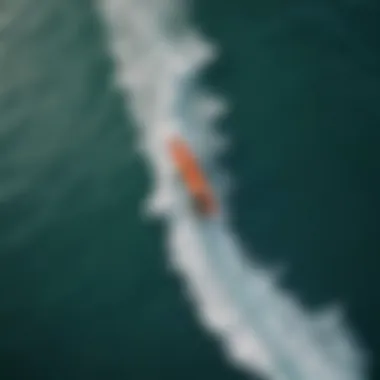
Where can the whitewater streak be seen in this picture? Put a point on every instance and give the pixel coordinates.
(261, 328)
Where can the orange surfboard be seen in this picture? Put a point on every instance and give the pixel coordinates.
(192, 176)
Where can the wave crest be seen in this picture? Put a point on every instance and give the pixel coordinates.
(261, 328)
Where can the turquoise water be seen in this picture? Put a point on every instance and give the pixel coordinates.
(86, 289)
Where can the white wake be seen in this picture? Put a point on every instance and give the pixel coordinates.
(261, 328)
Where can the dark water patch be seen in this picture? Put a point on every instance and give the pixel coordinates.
(304, 84)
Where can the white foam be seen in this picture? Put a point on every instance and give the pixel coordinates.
(260, 327)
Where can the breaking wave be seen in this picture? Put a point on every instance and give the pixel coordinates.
(261, 328)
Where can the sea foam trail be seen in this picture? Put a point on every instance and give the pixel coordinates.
(261, 328)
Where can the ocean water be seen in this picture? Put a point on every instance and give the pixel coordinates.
(87, 288)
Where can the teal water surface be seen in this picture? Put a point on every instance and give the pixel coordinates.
(85, 289)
